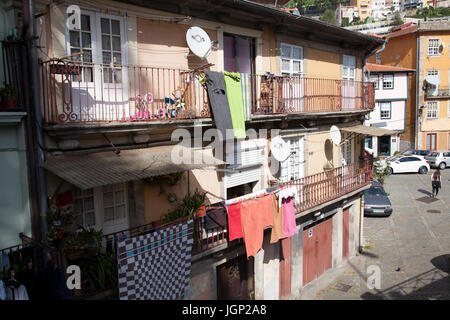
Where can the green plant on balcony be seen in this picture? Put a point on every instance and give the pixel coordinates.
(187, 207)
(380, 171)
(7, 98)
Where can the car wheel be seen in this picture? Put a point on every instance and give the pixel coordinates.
(442, 165)
(390, 171)
(423, 170)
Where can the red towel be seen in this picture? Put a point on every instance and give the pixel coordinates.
(252, 226)
(234, 222)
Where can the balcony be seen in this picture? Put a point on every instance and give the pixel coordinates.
(313, 190)
(438, 93)
(79, 93)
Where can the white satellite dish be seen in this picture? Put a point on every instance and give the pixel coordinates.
(279, 149)
(335, 135)
(199, 42)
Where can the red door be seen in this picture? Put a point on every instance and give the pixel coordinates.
(345, 232)
(285, 268)
(317, 244)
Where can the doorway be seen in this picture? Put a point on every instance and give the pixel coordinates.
(384, 146)
(235, 279)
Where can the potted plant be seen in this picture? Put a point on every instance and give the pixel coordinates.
(190, 206)
(8, 101)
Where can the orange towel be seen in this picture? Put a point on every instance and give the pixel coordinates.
(252, 226)
(278, 224)
(265, 204)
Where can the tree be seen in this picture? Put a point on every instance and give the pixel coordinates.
(397, 19)
(328, 16)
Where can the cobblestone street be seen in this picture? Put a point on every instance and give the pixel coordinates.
(411, 247)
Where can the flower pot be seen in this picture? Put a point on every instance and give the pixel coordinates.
(201, 212)
(10, 103)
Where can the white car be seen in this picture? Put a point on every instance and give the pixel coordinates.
(402, 164)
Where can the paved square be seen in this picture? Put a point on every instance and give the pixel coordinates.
(411, 247)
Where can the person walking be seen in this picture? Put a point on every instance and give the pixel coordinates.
(436, 181)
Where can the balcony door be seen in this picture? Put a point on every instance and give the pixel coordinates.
(293, 81)
(349, 86)
(100, 91)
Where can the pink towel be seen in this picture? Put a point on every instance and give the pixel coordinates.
(290, 228)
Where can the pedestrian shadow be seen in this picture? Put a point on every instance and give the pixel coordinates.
(368, 254)
(428, 193)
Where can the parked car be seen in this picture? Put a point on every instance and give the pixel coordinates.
(404, 164)
(415, 153)
(376, 201)
(439, 159)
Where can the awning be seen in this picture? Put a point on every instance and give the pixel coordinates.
(369, 131)
(433, 80)
(103, 168)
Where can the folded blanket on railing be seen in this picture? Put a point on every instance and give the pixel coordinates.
(215, 218)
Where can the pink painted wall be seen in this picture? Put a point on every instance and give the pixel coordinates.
(400, 90)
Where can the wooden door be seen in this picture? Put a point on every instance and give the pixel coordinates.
(285, 267)
(233, 280)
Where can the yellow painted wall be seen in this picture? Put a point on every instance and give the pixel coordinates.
(322, 64)
(317, 150)
(442, 139)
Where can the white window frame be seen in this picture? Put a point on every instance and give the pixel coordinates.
(375, 78)
(291, 59)
(99, 207)
(389, 115)
(434, 72)
(349, 65)
(432, 111)
(385, 76)
(81, 197)
(433, 51)
(287, 168)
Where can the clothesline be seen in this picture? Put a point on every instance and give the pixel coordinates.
(258, 194)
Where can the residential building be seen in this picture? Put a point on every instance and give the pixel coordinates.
(110, 150)
(412, 4)
(391, 96)
(379, 9)
(15, 214)
(424, 47)
(364, 8)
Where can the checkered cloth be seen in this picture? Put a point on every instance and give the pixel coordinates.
(156, 266)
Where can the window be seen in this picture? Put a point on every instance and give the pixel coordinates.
(349, 67)
(114, 204)
(375, 80)
(433, 72)
(84, 207)
(431, 141)
(432, 110)
(433, 47)
(385, 110)
(378, 58)
(291, 59)
(388, 81)
(81, 41)
(238, 53)
(292, 167)
(111, 50)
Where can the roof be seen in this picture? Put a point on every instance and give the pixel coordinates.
(103, 168)
(372, 67)
(369, 131)
(411, 29)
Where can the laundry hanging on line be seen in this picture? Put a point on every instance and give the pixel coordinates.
(235, 102)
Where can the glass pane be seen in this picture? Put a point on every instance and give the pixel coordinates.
(285, 65)
(229, 54)
(88, 192)
(78, 206)
(89, 204)
(107, 75)
(87, 55)
(109, 214)
(117, 58)
(120, 212)
(106, 43)
(285, 51)
(108, 199)
(105, 25)
(88, 75)
(79, 220)
(297, 66)
(296, 53)
(108, 188)
(106, 57)
(119, 197)
(90, 219)
(74, 39)
(85, 23)
(116, 43)
(115, 27)
(86, 39)
(118, 75)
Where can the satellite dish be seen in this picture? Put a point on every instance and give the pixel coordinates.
(279, 148)
(335, 135)
(199, 42)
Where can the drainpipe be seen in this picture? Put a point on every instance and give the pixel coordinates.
(36, 117)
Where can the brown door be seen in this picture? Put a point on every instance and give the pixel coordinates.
(345, 232)
(285, 268)
(233, 280)
(317, 246)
